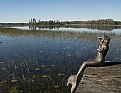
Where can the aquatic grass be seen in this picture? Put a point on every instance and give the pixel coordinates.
(37, 69)
(60, 74)
(56, 86)
(44, 76)
(42, 60)
(14, 80)
(42, 65)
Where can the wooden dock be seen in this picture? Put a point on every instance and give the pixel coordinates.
(101, 80)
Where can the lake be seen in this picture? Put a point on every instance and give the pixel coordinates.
(39, 60)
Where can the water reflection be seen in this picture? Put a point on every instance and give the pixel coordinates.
(99, 29)
(44, 27)
(41, 61)
(93, 27)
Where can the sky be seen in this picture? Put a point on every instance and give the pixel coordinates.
(63, 10)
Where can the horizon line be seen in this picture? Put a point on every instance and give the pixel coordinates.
(63, 20)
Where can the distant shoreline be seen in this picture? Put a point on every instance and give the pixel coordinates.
(93, 25)
(26, 24)
(101, 24)
(107, 27)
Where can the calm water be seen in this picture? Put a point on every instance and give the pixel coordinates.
(40, 61)
(71, 29)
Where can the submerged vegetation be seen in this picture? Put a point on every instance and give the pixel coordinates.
(36, 61)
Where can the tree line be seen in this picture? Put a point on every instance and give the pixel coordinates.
(50, 22)
(33, 21)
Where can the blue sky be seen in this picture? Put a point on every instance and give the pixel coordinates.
(23, 10)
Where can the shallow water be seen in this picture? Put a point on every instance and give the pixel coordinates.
(41, 60)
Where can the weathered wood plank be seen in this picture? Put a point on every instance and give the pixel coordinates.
(101, 80)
